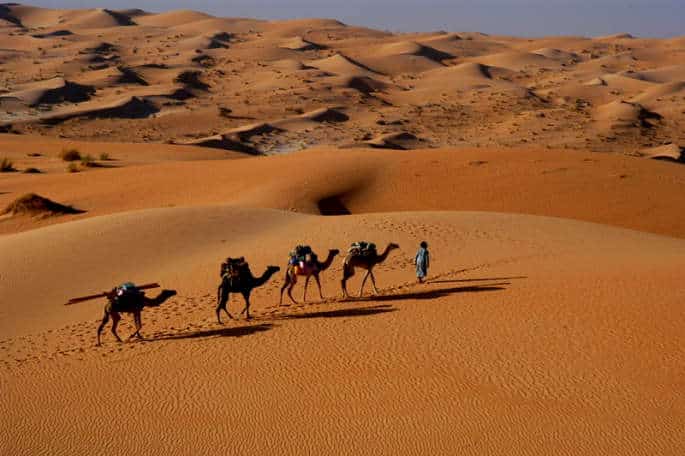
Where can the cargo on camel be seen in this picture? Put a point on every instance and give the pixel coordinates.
(232, 267)
(362, 248)
(301, 255)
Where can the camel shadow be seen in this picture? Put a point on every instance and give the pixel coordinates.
(432, 294)
(236, 331)
(355, 312)
(477, 280)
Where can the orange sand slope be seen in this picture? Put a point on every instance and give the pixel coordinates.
(530, 327)
(622, 191)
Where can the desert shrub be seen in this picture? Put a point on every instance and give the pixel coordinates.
(70, 155)
(87, 161)
(72, 168)
(6, 165)
(31, 171)
(104, 156)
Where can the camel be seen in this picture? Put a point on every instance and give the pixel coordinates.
(309, 270)
(240, 281)
(130, 304)
(355, 260)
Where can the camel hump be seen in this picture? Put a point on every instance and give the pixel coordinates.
(234, 266)
(362, 248)
(302, 254)
(127, 288)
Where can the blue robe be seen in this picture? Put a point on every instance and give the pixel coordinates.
(422, 261)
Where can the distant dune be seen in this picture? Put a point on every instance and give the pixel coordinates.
(498, 90)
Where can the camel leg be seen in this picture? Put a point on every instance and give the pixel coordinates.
(366, 276)
(223, 300)
(115, 321)
(285, 285)
(347, 273)
(373, 281)
(139, 325)
(343, 285)
(105, 319)
(306, 284)
(246, 310)
(290, 292)
(318, 283)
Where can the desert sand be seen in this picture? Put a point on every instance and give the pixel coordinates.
(542, 172)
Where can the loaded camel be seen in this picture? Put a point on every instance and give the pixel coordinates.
(237, 278)
(357, 260)
(310, 269)
(133, 302)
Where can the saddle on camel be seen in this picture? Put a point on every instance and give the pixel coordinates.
(303, 259)
(233, 267)
(362, 248)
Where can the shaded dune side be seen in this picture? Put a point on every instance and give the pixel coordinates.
(375, 181)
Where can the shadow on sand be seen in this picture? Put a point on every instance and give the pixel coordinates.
(477, 280)
(354, 312)
(236, 331)
(431, 294)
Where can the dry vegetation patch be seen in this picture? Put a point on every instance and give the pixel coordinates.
(36, 205)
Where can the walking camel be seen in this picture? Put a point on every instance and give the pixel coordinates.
(310, 269)
(356, 260)
(240, 280)
(131, 303)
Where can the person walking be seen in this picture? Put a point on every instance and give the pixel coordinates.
(422, 261)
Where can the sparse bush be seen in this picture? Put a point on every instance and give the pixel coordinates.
(72, 168)
(31, 171)
(104, 156)
(6, 166)
(87, 161)
(70, 155)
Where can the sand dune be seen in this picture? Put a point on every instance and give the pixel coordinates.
(51, 91)
(506, 91)
(661, 75)
(172, 18)
(398, 141)
(300, 44)
(653, 96)
(623, 114)
(497, 342)
(667, 152)
(518, 61)
(373, 180)
(342, 65)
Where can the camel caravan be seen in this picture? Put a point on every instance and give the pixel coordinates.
(236, 277)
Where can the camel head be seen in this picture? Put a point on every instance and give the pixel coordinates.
(334, 252)
(393, 246)
(159, 299)
(273, 269)
(168, 293)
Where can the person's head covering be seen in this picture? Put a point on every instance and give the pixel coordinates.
(424, 244)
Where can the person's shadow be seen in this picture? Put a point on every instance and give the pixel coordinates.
(431, 294)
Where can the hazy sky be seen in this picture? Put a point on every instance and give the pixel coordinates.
(657, 18)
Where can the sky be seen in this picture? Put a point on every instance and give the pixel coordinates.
(645, 18)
